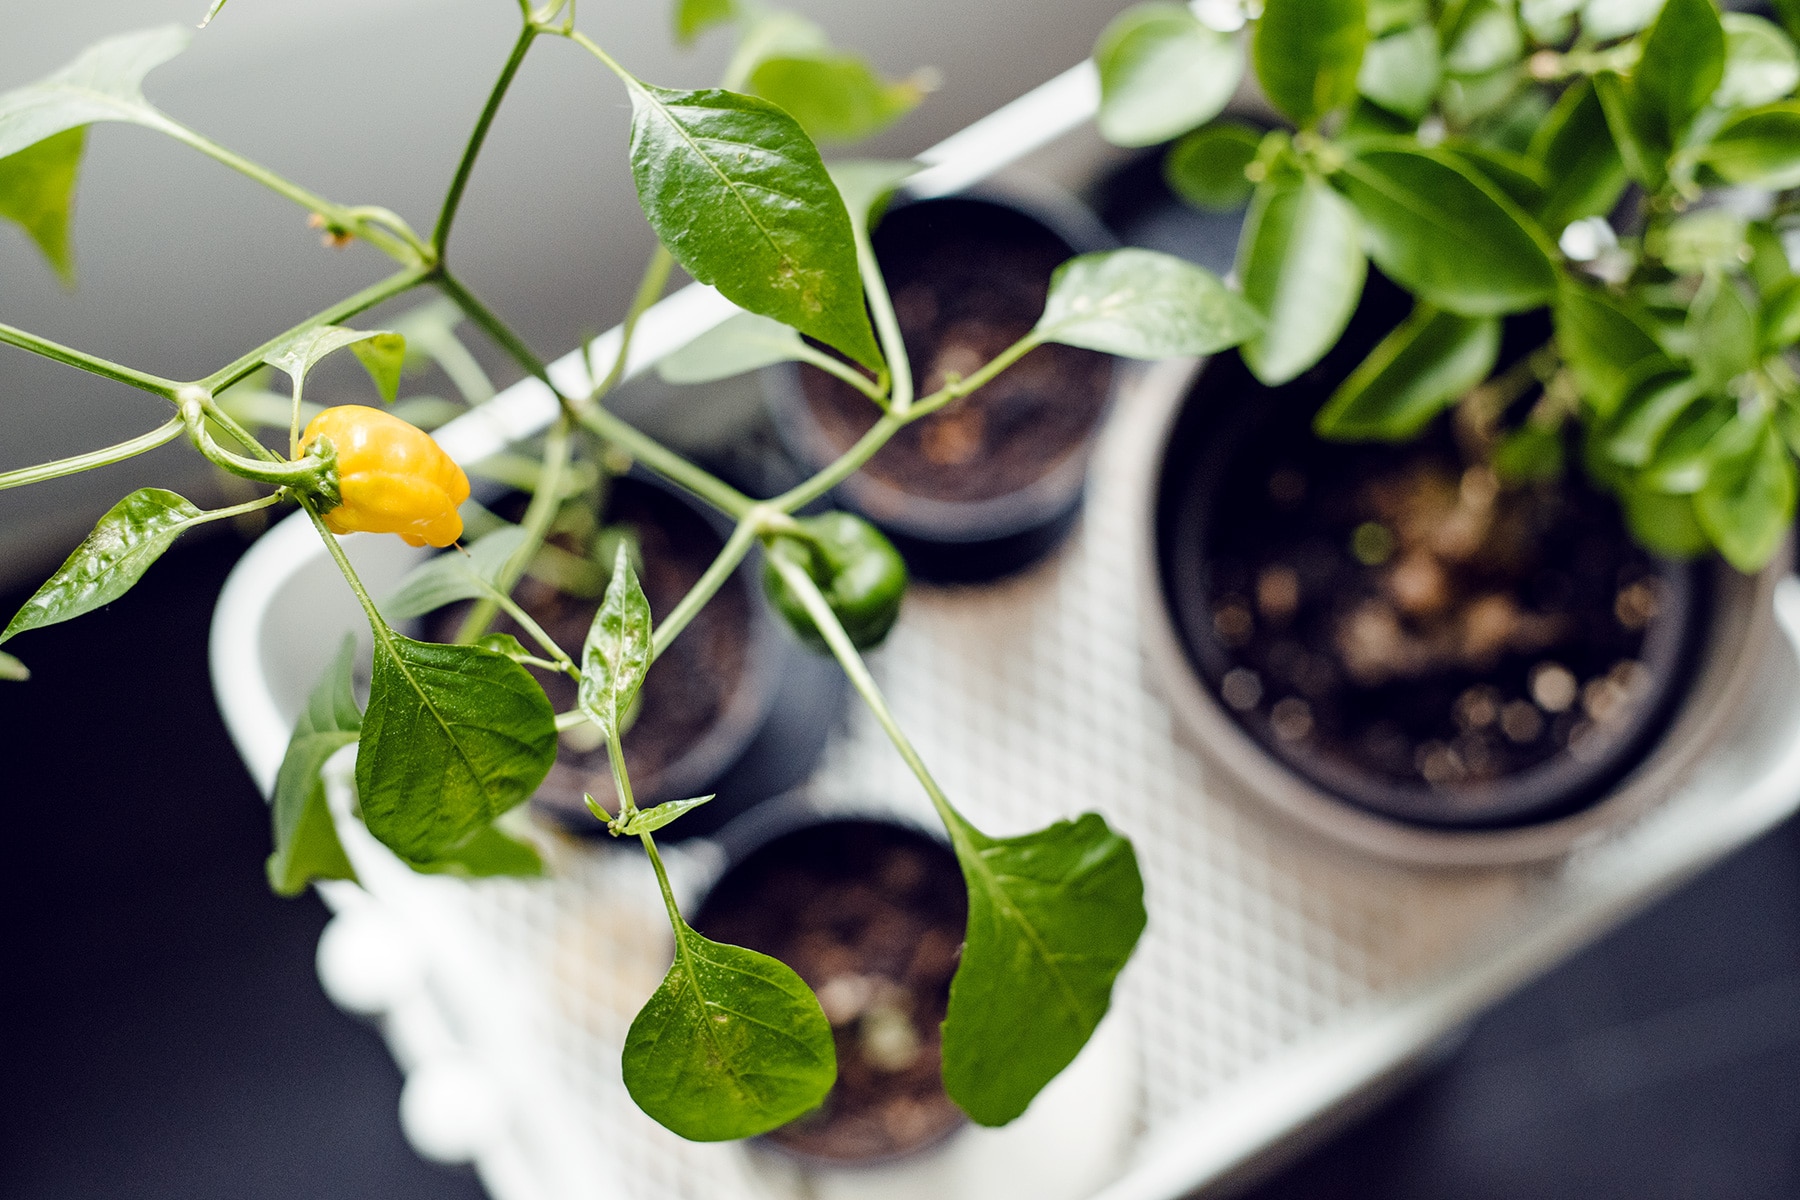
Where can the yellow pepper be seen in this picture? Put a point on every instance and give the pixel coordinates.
(392, 477)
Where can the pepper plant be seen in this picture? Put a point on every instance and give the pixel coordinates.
(454, 736)
(1629, 165)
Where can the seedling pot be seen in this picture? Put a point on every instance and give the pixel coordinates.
(1390, 646)
(993, 482)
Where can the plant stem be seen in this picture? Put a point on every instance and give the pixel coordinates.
(538, 516)
(668, 894)
(857, 672)
(708, 585)
(440, 235)
(377, 626)
(851, 461)
(843, 371)
(665, 462)
(238, 510)
(160, 436)
(93, 364)
(303, 473)
(562, 662)
(887, 325)
(615, 755)
(491, 324)
(343, 310)
(649, 291)
(975, 382)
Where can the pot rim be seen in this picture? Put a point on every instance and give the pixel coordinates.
(1741, 624)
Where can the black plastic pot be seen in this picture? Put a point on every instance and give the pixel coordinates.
(968, 275)
(1326, 660)
(871, 913)
(736, 707)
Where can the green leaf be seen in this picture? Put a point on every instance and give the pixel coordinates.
(775, 238)
(1781, 317)
(649, 820)
(454, 575)
(12, 670)
(1789, 12)
(488, 853)
(1517, 177)
(306, 840)
(1303, 268)
(743, 343)
(1415, 204)
(1604, 20)
(381, 353)
(1682, 64)
(1647, 414)
(1487, 40)
(1162, 73)
(1143, 304)
(453, 737)
(1417, 371)
(617, 654)
(1603, 342)
(1761, 64)
(1053, 917)
(834, 95)
(125, 542)
(1530, 454)
(694, 17)
(1308, 54)
(1401, 72)
(104, 83)
(1580, 160)
(1662, 523)
(1760, 147)
(1549, 21)
(1634, 131)
(1747, 504)
(1722, 329)
(1206, 168)
(732, 1044)
(37, 191)
(1712, 239)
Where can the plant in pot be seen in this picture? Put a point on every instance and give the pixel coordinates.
(1437, 539)
(455, 734)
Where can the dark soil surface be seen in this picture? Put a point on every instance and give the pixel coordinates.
(687, 691)
(871, 916)
(968, 279)
(1414, 635)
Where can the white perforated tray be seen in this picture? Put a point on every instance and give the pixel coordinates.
(1277, 979)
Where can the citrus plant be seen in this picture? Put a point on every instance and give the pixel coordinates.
(1629, 165)
(455, 735)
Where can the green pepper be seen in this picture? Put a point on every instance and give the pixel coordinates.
(860, 574)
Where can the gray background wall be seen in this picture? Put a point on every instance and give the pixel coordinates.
(183, 264)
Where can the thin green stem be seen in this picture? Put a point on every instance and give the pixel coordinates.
(975, 382)
(668, 894)
(160, 436)
(93, 364)
(305, 474)
(708, 585)
(649, 291)
(377, 625)
(612, 64)
(440, 235)
(848, 464)
(343, 310)
(843, 371)
(491, 324)
(887, 325)
(615, 755)
(238, 510)
(857, 672)
(562, 662)
(538, 516)
(665, 462)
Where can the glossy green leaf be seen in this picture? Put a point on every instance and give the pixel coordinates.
(488, 853)
(742, 343)
(455, 575)
(1487, 39)
(453, 737)
(1401, 72)
(1604, 20)
(381, 353)
(1693, 447)
(733, 1044)
(104, 83)
(306, 840)
(1416, 203)
(834, 95)
(1682, 65)
(1530, 454)
(1603, 341)
(1781, 317)
(617, 654)
(1206, 168)
(649, 820)
(1712, 239)
(12, 670)
(1760, 147)
(1647, 413)
(125, 542)
(1633, 129)
(694, 17)
(1722, 329)
(37, 191)
(1417, 371)
(1142, 304)
(1789, 12)
(1549, 21)
(1515, 176)
(1581, 161)
(1662, 523)
(1747, 504)
(776, 239)
(1162, 73)
(1761, 64)
(1302, 266)
(1053, 917)
(1308, 54)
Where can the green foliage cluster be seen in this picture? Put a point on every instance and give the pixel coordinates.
(1629, 165)
(457, 735)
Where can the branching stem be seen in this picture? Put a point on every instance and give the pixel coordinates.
(163, 434)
